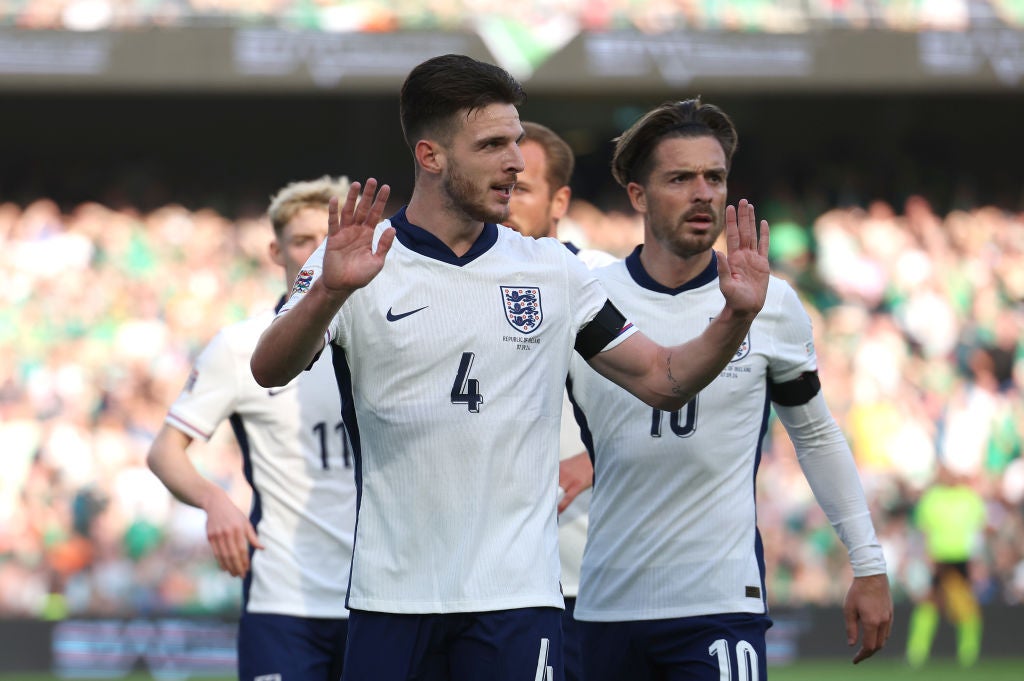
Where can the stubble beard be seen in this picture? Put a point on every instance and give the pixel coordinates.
(676, 239)
(460, 192)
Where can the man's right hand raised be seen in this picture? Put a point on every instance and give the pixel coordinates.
(350, 262)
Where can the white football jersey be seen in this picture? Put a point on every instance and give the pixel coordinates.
(452, 384)
(672, 521)
(298, 461)
(573, 521)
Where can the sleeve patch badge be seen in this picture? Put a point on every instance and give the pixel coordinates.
(302, 282)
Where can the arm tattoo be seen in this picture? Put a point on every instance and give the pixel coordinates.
(676, 388)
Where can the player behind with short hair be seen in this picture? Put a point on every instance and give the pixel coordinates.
(672, 583)
(540, 199)
(294, 549)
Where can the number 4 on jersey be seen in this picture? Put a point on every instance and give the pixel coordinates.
(466, 390)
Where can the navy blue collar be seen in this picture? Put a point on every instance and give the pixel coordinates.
(573, 248)
(280, 303)
(640, 276)
(423, 242)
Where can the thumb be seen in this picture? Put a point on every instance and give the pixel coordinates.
(850, 615)
(387, 237)
(254, 539)
(724, 271)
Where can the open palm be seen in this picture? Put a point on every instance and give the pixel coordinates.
(743, 273)
(350, 261)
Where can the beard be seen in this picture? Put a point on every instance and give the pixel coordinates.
(673, 235)
(464, 196)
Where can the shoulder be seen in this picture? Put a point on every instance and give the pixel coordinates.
(510, 239)
(241, 337)
(594, 258)
(782, 298)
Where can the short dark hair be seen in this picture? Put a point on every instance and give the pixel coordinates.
(560, 159)
(631, 161)
(443, 86)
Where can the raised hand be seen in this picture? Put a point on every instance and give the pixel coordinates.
(743, 273)
(350, 262)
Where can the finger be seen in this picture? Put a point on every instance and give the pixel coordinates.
(350, 204)
(732, 239)
(365, 202)
(745, 224)
(724, 271)
(220, 553)
(570, 495)
(333, 220)
(240, 552)
(254, 539)
(762, 243)
(387, 237)
(379, 202)
(870, 644)
(850, 620)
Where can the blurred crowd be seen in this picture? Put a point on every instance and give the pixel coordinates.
(918, 320)
(653, 16)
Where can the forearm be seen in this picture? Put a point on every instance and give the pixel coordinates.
(829, 467)
(291, 342)
(669, 377)
(170, 463)
(688, 368)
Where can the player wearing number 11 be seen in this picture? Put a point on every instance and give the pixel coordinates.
(453, 336)
(297, 460)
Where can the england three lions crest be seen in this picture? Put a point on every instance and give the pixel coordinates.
(743, 350)
(522, 307)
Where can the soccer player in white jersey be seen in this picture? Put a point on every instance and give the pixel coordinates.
(673, 584)
(294, 548)
(455, 335)
(540, 199)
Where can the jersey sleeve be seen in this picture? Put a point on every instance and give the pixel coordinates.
(211, 391)
(793, 362)
(599, 324)
(827, 463)
(309, 273)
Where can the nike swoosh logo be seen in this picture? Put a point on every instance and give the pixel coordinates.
(276, 391)
(392, 317)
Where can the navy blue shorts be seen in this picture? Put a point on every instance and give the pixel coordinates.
(524, 644)
(572, 658)
(709, 648)
(286, 648)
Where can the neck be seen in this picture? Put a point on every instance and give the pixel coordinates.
(667, 268)
(429, 211)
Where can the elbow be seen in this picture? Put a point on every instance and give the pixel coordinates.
(151, 462)
(673, 402)
(263, 374)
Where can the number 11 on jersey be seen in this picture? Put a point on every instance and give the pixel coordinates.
(466, 390)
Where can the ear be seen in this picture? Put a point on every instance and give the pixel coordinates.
(560, 202)
(429, 156)
(276, 255)
(637, 197)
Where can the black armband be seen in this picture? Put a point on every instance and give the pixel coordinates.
(605, 327)
(796, 392)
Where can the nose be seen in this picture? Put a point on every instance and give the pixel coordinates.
(515, 162)
(702, 190)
